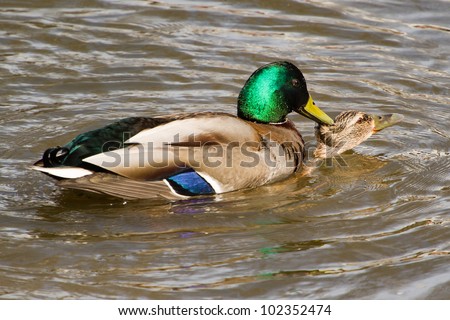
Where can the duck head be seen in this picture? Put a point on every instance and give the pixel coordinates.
(275, 90)
(350, 129)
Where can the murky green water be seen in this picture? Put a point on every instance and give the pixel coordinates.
(376, 228)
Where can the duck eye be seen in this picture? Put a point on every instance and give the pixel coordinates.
(295, 82)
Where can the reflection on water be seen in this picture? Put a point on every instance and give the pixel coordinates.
(373, 227)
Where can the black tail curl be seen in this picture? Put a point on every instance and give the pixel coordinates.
(53, 157)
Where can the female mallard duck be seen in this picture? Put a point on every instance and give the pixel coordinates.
(197, 153)
(350, 129)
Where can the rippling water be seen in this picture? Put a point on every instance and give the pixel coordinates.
(376, 228)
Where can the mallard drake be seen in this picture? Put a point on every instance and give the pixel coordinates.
(198, 153)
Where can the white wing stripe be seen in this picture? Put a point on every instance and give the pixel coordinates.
(64, 172)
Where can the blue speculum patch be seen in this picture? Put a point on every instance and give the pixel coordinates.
(190, 183)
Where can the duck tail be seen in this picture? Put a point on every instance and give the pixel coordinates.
(53, 157)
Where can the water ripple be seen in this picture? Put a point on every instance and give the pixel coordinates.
(382, 213)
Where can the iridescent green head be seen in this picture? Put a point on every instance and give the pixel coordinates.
(275, 90)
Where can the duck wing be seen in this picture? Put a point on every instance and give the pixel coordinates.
(184, 144)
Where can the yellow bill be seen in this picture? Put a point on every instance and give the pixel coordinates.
(313, 112)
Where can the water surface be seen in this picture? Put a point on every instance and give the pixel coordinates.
(376, 228)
